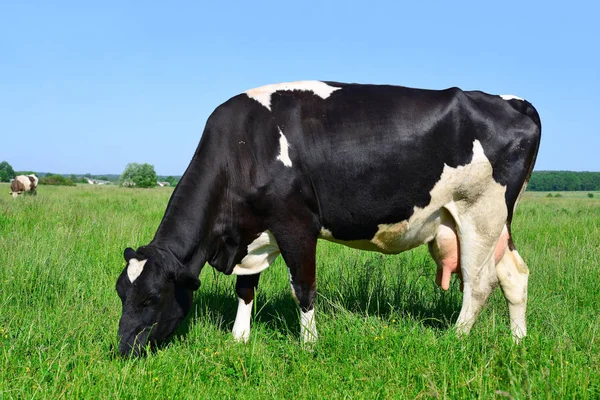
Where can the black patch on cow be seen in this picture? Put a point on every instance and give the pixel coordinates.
(17, 186)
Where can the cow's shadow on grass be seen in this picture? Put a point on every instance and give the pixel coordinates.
(363, 292)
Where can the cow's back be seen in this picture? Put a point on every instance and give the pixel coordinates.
(373, 153)
(370, 153)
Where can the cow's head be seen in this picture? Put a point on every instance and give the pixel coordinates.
(156, 292)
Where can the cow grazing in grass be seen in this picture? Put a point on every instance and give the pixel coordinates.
(24, 184)
(375, 167)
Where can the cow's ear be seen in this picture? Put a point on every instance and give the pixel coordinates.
(185, 278)
(129, 253)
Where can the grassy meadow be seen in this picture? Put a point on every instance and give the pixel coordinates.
(385, 328)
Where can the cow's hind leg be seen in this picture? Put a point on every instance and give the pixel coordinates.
(513, 275)
(244, 287)
(479, 228)
(298, 248)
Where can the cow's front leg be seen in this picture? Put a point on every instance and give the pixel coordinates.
(304, 292)
(244, 287)
(299, 252)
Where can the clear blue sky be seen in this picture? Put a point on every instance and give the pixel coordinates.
(90, 87)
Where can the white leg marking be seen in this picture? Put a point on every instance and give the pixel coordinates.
(513, 275)
(293, 290)
(284, 146)
(465, 318)
(475, 294)
(308, 326)
(263, 93)
(241, 326)
(135, 268)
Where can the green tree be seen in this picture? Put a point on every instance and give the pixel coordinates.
(139, 175)
(172, 181)
(6, 172)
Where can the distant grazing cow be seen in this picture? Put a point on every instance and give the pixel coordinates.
(24, 184)
(381, 168)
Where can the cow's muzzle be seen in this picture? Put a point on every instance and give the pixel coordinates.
(134, 345)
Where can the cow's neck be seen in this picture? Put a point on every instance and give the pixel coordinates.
(185, 225)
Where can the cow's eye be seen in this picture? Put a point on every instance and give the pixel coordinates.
(149, 301)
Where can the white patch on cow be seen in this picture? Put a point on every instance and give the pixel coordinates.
(456, 186)
(263, 94)
(241, 326)
(308, 326)
(25, 181)
(478, 154)
(284, 146)
(261, 253)
(135, 268)
(510, 97)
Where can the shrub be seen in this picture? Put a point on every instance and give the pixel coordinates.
(138, 175)
(590, 195)
(57, 180)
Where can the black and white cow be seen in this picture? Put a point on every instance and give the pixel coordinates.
(376, 167)
(23, 184)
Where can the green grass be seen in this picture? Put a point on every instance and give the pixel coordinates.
(385, 328)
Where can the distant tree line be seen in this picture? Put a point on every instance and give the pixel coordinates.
(138, 175)
(546, 181)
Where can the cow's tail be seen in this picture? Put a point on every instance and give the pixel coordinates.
(526, 108)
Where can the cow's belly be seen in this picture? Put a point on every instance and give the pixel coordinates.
(395, 238)
(464, 184)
